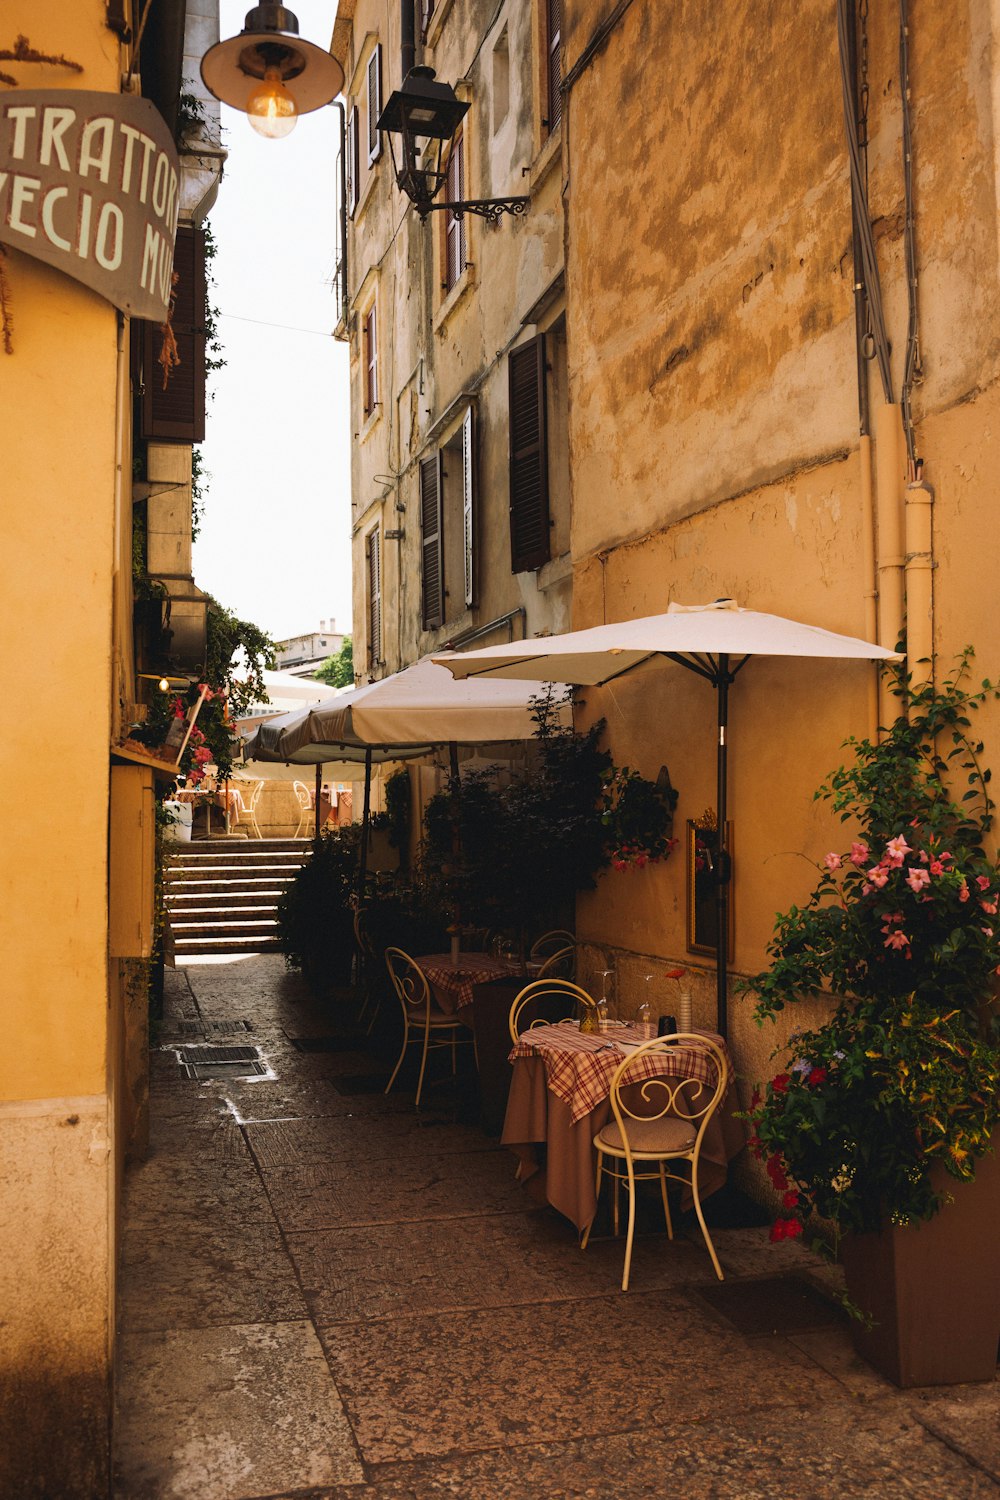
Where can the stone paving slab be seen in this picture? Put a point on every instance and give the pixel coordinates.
(375, 1131)
(402, 1189)
(839, 1453)
(169, 1190)
(403, 1270)
(223, 1271)
(441, 1384)
(223, 1413)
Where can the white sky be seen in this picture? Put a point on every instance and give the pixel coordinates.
(275, 539)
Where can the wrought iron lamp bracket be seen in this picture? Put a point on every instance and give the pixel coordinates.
(490, 209)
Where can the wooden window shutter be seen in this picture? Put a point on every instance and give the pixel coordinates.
(426, 11)
(554, 62)
(177, 414)
(432, 541)
(374, 600)
(454, 225)
(529, 469)
(371, 361)
(374, 103)
(469, 505)
(353, 159)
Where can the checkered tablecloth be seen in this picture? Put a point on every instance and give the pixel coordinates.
(579, 1068)
(453, 982)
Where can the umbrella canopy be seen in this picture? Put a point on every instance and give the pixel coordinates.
(410, 711)
(714, 640)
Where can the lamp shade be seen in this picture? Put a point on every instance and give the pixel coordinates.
(422, 107)
(232, 69)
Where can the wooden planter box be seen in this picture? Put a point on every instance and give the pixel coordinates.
(933, 1288)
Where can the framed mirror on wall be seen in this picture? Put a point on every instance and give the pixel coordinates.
(702, 856)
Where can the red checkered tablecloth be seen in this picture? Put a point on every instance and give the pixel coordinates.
(452, 982)
(579, 1068)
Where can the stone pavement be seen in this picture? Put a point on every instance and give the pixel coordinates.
(326, 1295)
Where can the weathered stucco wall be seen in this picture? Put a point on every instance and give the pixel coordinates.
(438, 351)
(713, 403)
(57, 400)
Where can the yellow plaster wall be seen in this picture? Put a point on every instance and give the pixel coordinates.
(713, 408)
(57, 479)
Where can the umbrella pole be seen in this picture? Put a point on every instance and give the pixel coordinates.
(723, 868)
(365, 825)
(319, 788)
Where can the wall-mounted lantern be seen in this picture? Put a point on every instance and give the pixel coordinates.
(425, 115)
(270, 73)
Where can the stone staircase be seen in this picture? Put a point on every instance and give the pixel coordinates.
(221, 895)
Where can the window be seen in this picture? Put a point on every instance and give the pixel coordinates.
(501, 80)
(353, 159)
(448, 526)
(454, 229)
(468, 506)
(432, 541)
(374, 103)
(177, 413)
(553, 58)
(369, 356)
(374, 561)
(529, 480)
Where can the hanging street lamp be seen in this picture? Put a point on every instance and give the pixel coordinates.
(421, 112)
(270, 73)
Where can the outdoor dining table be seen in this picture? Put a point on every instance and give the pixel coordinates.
(560, 1097)
(452, 980)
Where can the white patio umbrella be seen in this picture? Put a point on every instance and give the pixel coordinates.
(403, 715)
(714, 640)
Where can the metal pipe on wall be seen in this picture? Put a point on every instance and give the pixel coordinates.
(891, 558)
(871, 585)
(919, 573)
(407, 36)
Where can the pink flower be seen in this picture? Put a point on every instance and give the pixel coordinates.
(988, 931)
(832, 861)
(963, 891)
(897, 849)
(867, 888)
(860, 853)
(924, 856)
(917, 879)
(896, 940)
(878, 876)
(937, 868)
(891, 918)
(989, 907)
(983, 882)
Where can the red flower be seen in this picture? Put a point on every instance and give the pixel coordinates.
(791, 1199)
(779, 1084)
(792, 1229)
(776, 1172)
(818, 1075)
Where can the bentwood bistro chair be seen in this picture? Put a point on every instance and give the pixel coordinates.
(657, 1130)
(422, 1019)
(540, 1002)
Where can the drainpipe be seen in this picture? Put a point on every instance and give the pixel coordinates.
(891, 559)
(871, 586)
(919, 505)
(407, 37)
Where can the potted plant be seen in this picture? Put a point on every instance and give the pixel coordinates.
(879, 1126)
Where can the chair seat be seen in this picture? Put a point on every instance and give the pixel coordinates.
(665, 1137)
(438, 1018)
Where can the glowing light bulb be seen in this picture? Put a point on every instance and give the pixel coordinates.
(164, 685)
(271, 109)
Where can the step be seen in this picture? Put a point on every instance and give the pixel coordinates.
(261, 927)
(185, 915)
(220, 866)
(250, 846)
(231, 888)
(285, 857)
(214, 901)
(224, 945)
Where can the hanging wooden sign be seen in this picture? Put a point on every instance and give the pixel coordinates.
(89, 184)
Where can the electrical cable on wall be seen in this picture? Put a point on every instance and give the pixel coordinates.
(911, 369)
(873, 286)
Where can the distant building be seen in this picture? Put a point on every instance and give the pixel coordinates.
(302, 654)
